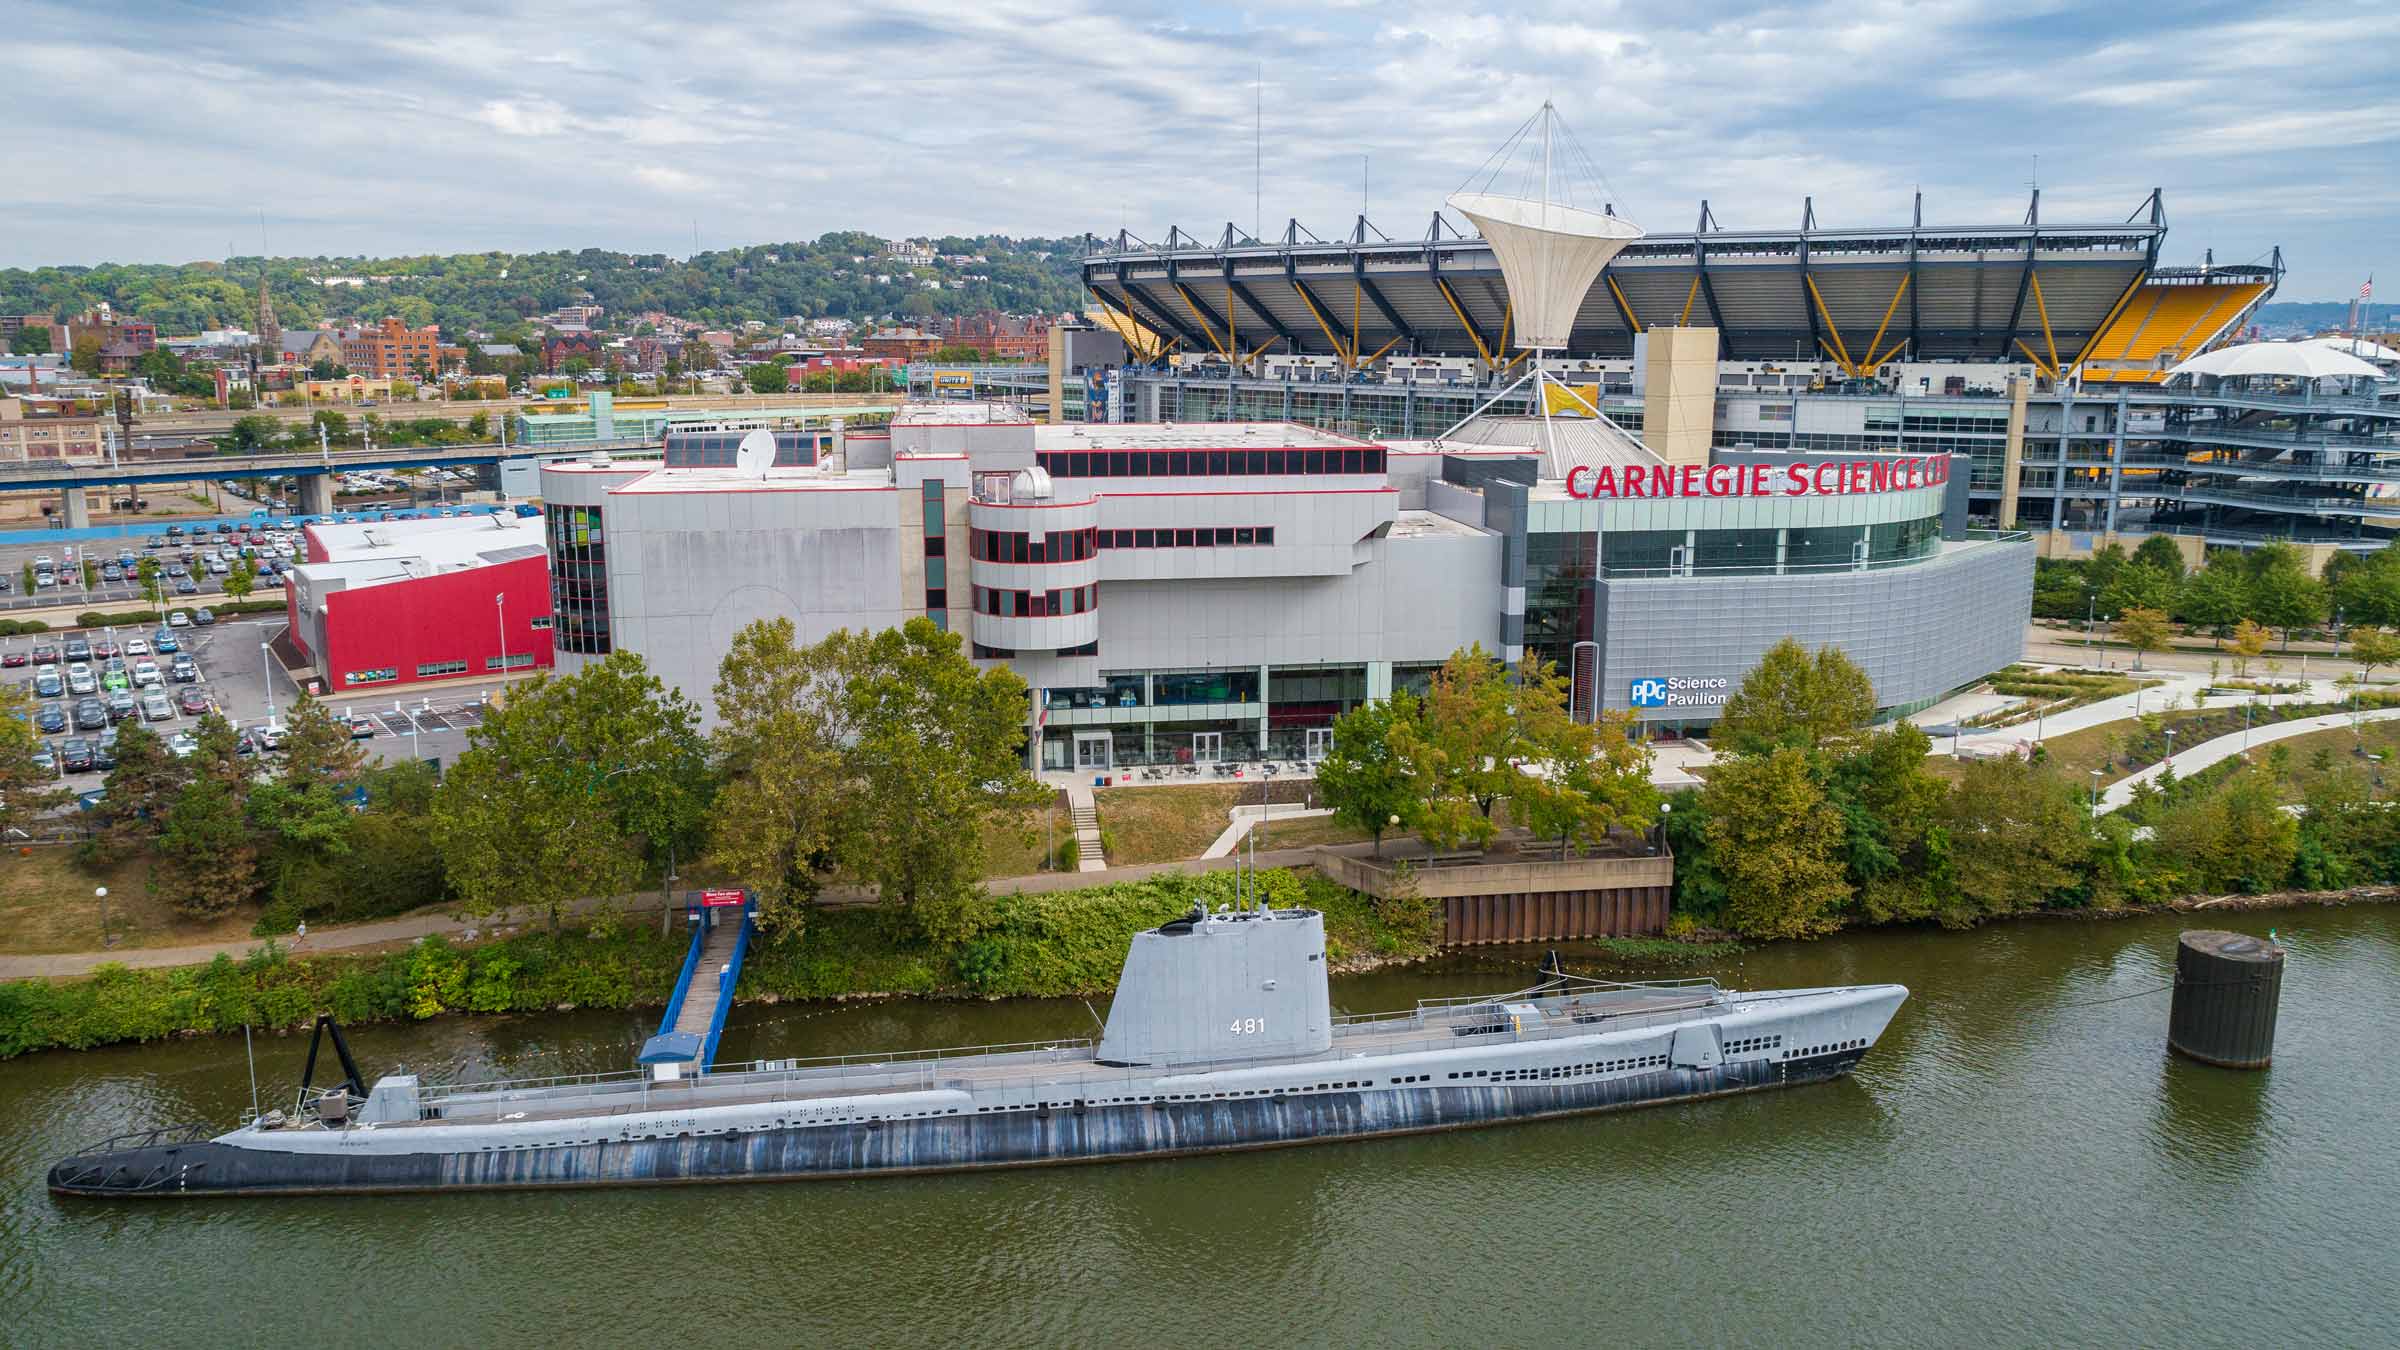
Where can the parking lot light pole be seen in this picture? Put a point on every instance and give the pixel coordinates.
(266, 667)
(108, 937)
(500, 607)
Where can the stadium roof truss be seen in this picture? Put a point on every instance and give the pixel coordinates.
(1860, 297)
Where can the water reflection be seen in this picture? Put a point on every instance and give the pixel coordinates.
(2207, 1116)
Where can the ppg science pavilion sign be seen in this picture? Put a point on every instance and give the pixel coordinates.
(1822, 478)
(1678, 691)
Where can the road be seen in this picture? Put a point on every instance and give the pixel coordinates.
(219, 420)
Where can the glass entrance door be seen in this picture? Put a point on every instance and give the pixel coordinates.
(1208, 746)
(1320, 741)
(1092, 749)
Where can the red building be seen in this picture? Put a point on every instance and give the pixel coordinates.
(400, 602)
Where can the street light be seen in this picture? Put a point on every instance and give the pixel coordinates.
(108, 937)
(500, 608)
(266, 667)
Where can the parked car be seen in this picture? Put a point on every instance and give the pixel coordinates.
(13, 659)
(203, 617)
(147, 673)
(181, 618)
(175, 569)
(362, 728)
(192, 699)
(75, 755)
(268, 736)
(157, 707)
(46, 760)
(183, 670)
(104, 750)
(45, 654)
(186, 586)
(106, 649)
(183, 743)
(121, 706)
(79, 649)
(50, 718)
(48, 683)
(115, 677)
(90, 714)
(165, 642)
(137, 647)
(81, 680)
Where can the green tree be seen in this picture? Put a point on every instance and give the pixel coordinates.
(240, 580)
(29, 342)
(154, 585)
(552, 799)
(317, 747)
(1775, 841)
(1891, 803)
(2372, 647)
(2100, 570)
(2144, 630)
(2159, 551)
(207, 862)
(27, 791)
(1577, 781)
(2249, 642)
(136, 794)
(250, 435)
(393, 864)
(2282, 593)
(1793, 699)
(2139, 586)
(1459, 749)
(767, 377)
(2237, 838)
(84, 357)
(2215, 597)
(786, 814)
(2018, 837)
(1365, 777)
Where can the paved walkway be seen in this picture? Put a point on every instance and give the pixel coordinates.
(1246, 816)
(2189, 762)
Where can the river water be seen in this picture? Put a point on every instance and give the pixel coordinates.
(2019, 1163)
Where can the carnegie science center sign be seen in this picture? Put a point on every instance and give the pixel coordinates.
(1823, 478)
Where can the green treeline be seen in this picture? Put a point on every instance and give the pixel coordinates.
(1056, 944)
(1812, 820)
(495, 292)
(2269, 587)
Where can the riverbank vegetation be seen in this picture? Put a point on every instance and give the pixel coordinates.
(1054, 944)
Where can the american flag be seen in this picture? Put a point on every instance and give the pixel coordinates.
(2366, 289)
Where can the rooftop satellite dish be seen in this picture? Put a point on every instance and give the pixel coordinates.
(756, 454)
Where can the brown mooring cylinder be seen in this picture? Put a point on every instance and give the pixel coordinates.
(2227, 987)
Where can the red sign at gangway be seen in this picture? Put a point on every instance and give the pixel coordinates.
(719, 899)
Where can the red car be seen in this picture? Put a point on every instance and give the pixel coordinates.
(45, 654)
(13, 659)
(104, 649)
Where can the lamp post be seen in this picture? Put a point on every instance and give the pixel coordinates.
(2095, 794)
(1659, 846)
(500, 608)
(266, 667)
(108, 937)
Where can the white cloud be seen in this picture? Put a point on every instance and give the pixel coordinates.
(378, 128)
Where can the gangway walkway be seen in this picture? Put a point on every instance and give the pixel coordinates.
(687, 1036)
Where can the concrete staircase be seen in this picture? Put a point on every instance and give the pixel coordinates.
(1088, 857)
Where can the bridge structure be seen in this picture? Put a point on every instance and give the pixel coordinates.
(722, 923)
(316, 471)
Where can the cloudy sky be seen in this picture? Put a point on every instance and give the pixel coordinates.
(154, 131)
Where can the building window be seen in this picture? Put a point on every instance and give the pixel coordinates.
(578, 580)
(512, 661)
(1219, 536)
(1364, 459)
(376, 676)
(541, 623)
(436, 669)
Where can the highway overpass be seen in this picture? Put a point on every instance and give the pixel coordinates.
(315, 470)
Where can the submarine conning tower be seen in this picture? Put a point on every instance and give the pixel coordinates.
(1245, 984)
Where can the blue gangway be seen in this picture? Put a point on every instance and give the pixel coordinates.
(721, 923)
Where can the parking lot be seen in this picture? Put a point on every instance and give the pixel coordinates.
(201, 581)
(233, 674)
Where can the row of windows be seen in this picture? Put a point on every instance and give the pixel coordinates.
(1015, 546)
(937, 576)
(579, 579)
(1749, 1043)
(719, 449)
(512, 661)
(1807, 1050)
(1209, 463)
(1048, 604)
(1563, 1070)
(433, 669)
(375, 676)
(1221, 536)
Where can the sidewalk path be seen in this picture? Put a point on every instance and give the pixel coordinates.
(1246, 816)
(2189, 762)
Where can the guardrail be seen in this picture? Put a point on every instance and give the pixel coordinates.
(726, 979)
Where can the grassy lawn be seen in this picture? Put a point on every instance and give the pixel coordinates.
(1309, 831)
(1165, 824)
(2076, 753)
(1014, 848)
(47, 905)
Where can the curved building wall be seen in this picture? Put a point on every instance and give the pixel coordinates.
(574, 496)
(1919, 630)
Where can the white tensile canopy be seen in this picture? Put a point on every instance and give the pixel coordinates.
(2292, 360)
(2358, 347)
(1549, 253)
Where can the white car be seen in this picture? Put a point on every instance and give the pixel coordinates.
(80, 679)
(137, 646)
(181, 618)
(157, 708)
(146, 673)
(183, 743)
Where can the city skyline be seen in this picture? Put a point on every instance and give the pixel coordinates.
(432, 130)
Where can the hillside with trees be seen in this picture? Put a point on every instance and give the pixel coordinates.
(495, 292)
